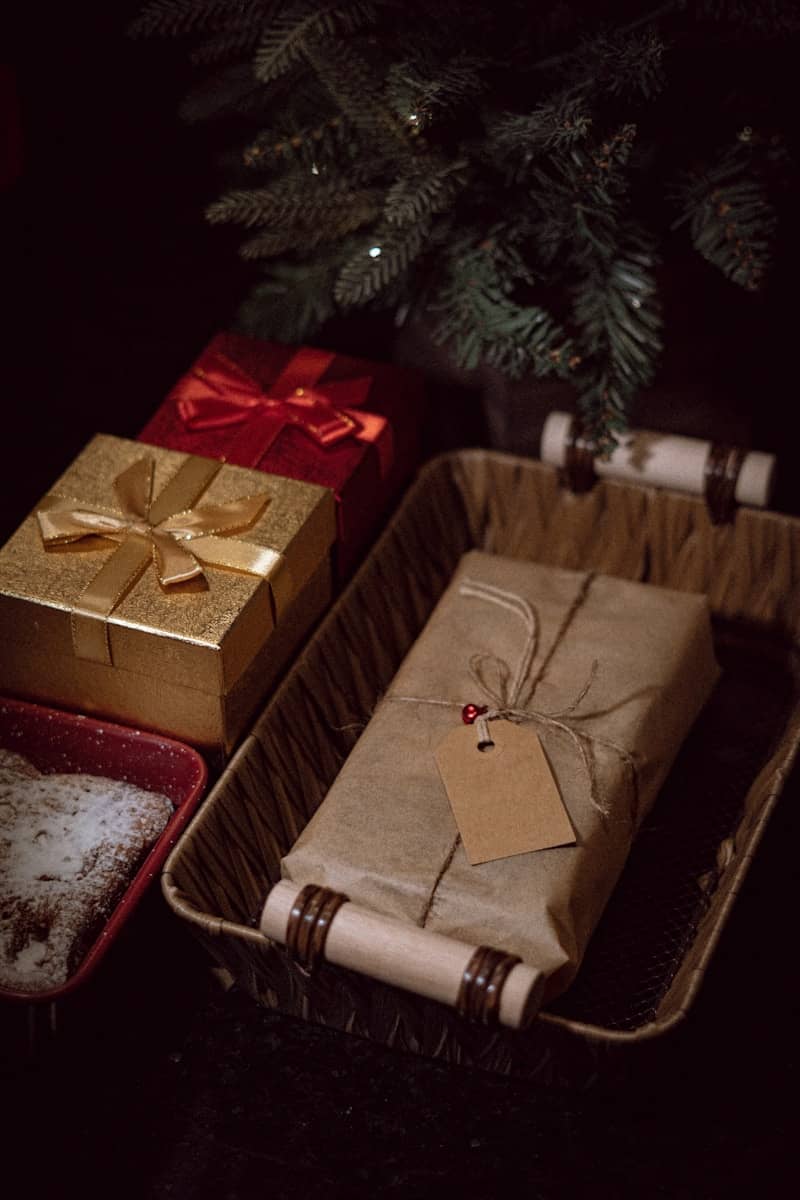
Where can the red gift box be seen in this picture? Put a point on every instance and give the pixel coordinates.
(309, 414)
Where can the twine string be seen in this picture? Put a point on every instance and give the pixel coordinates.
(511, 695)
(511, 692)
(513, 701)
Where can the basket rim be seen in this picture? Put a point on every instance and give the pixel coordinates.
(710, 928)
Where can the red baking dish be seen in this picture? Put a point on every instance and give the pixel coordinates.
(62, 742)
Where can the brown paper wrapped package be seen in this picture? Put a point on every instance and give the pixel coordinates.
(385, 834)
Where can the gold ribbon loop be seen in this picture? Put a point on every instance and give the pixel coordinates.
(174, 562)
(134, 488)
(215, 518)
(58, 526)
(184, 489)
(176, 537)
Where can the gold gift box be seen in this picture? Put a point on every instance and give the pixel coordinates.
(191, 658)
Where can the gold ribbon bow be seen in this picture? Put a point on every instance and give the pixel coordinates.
(168, 531)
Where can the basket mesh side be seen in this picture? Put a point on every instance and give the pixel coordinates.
(654, 922)
(670, 877)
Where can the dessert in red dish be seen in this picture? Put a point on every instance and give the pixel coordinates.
(88, 813)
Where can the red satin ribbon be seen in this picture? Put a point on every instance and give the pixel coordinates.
(217, 393)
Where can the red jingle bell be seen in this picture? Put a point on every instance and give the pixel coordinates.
(471, 712)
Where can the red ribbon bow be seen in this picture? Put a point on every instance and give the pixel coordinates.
(217, 393)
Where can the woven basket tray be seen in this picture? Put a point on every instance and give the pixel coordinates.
(651, 949)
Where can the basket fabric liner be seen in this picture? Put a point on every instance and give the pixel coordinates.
(653, 944)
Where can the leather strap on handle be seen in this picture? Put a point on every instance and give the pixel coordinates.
(578, 473)
(721, 475)
(481, 983)
(309, 922)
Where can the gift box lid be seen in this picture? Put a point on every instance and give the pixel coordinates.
(201, 633)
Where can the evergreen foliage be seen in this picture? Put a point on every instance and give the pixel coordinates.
(286, 39)
(515, 172)
(731, 219)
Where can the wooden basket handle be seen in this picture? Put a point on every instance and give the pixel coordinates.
(726, 475)
(483, 984)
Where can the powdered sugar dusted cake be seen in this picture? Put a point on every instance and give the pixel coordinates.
(69, 846)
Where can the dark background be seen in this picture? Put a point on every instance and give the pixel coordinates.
(155, 1081)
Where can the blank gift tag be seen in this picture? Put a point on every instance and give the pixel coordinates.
(504, 799)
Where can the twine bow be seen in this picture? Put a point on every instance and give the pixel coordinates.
(178, 539)
(511, 695)
(218, 393)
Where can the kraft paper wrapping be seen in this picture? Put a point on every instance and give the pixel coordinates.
(190, 660)
(385, 834)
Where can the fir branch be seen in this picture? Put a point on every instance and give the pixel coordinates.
(574, 199)
(430, 188)
(351, 81)
(286, 39)
(313, 144)
(292, 301)
(476, 314)
(269, 244)
(624, 63)
(554, 125)
(732, 223)
(527, 340)
(302, 105)
(299, 198)
(618, 314)
(565, 59)
(378, 263)
(416, 119)
(170, 18)
(235, 41)
(306, 234)
(598, 180)
(230, 89)
(732, 229)
(420, 90)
